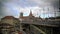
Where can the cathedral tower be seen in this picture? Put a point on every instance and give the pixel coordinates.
(21, 14)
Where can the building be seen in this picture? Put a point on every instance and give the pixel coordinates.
(5, 28)
(30, 18)
(9, 25)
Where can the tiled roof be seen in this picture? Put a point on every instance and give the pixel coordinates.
(8, 17)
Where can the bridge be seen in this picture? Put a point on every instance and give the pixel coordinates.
(41, 27)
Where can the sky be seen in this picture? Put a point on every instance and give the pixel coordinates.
(42, 8)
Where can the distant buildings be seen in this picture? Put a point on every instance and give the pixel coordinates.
(52, 22)
(29, 18)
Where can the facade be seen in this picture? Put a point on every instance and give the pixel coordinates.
(10, 25)
(5, 28)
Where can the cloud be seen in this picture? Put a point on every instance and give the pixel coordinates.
(40, 3)
(38, 7)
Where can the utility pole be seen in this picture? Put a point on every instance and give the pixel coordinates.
(48, 12)
(43, 12)
(55, 12)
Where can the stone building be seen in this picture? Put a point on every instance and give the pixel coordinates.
(9, 24)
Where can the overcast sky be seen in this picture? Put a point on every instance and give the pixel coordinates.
(41, 8)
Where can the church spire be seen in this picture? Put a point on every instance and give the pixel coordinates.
(30, 13)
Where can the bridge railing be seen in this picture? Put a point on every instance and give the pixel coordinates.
(36, 30)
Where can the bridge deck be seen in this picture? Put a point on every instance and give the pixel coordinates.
(45, 23)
